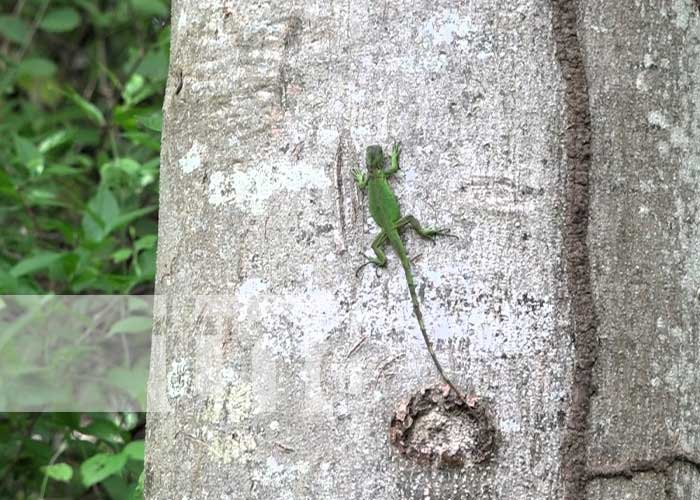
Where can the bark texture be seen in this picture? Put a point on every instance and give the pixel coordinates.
(277, 372)
(643, 73)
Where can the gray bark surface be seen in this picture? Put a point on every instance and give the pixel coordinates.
(276, 371)
(643, 68)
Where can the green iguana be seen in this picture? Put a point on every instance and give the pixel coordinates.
(384, 208)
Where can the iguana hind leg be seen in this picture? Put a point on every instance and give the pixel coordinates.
(425, 232)
(380, 259)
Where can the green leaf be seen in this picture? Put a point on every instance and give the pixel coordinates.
(135, 450)
(116, 487)
(126, 218)
(164, 37)
(36, 67)
(138, 493)
(60, 20)
(100, 214)
(61, 170)
(121, 255)
(100, 466)
(13, 29)
(88, 108)
(155, 65)
(7, 186)
(35, 263)
(126, 173)
(9, 285)
(144, 138)
(148, 241)
(7, 80)
(65, 419)
(132, 324)
(154, 121)
(136, 90)
(126, 165)
(150, 7)
(54, 140)
(133, 87)
(100, 19)
(38, 450)
(28, 155)
(59, 472)
(104, 430)
(44, 198)
(147, 265)
(67, 231)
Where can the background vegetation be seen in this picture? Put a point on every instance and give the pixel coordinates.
(81, 85)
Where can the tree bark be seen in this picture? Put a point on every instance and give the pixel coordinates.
(555, 138)
(643, 67)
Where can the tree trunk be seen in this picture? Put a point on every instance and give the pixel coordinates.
(556, 140)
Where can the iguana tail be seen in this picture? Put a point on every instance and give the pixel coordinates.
(397, 244)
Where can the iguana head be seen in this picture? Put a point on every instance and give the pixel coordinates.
(375, 159)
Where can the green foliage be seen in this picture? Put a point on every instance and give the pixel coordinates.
(60, 20)
(71, 455)
(81, 84)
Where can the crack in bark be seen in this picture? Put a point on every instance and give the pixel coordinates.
(577, 139)
(339, 186)
(660, 464)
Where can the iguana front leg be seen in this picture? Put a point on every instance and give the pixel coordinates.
(395, 152)
(360, 179)
(380, 260)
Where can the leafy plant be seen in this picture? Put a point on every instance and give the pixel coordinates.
(81, 86)
(71, 455)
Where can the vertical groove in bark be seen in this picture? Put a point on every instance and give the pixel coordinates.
(577, 138)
